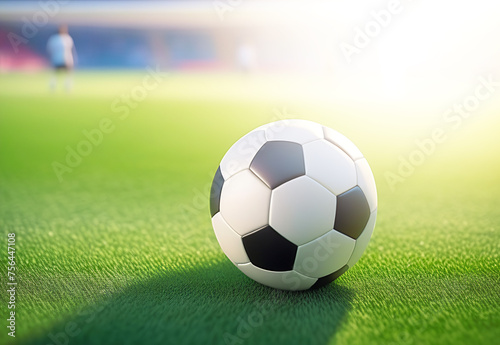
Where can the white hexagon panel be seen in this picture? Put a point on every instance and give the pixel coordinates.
(293, 204)
(244, 202)
(330, 166)
(324, 255)
(302, 210)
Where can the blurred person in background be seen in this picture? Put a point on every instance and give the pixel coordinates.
(62, 54)
(246, 57)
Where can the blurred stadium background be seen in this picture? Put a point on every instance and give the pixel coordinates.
(425, 52)
(178, 35)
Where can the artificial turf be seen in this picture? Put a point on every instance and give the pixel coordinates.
(122, 250)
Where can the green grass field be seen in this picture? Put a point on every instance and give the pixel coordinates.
(122, 250)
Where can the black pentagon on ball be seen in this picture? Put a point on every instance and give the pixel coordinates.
(329, 278)
(278, 162)
(352, 212)
(215, 192)
(269, 250)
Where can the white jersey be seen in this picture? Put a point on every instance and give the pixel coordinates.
(246, 56)
(60, 48)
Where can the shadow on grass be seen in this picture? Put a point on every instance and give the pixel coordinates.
(213, 305)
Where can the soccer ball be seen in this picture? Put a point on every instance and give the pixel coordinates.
(293, 204)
